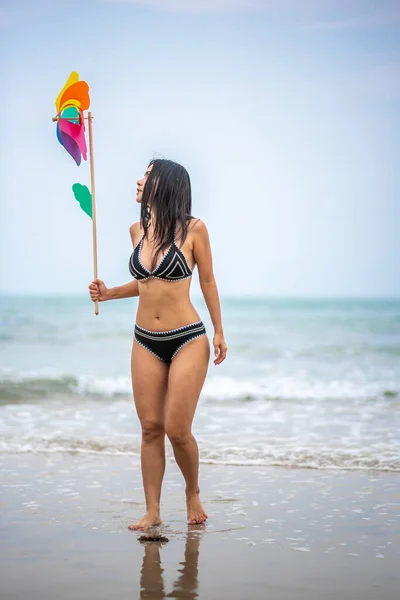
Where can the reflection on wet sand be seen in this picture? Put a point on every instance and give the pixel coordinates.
(151, 578)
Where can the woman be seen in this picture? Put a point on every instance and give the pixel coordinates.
(170, 353)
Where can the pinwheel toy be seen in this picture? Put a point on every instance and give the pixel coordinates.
(71, 103)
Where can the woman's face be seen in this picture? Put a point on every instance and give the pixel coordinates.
(141, 184)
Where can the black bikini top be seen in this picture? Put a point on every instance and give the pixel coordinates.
(173, 265)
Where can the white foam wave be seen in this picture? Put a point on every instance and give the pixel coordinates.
(283, 386)
(298, 386)
(299, 458)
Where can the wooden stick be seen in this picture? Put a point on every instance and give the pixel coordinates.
(57, 118)
(92, 185)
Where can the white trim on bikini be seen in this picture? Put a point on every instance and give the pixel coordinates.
(169, 337)
(162, 278)
(169, 330)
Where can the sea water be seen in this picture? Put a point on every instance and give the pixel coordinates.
(307, 383)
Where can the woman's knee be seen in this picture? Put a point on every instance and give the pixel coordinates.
(178, 435)
(151, 430)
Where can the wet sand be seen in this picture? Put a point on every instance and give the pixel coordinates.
(272, 533)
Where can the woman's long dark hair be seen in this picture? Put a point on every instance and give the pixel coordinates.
(167, 193)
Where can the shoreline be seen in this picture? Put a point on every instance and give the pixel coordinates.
(204, 463)
(272, 532)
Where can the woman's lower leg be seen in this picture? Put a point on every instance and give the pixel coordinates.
(153, 468)
(186, 454)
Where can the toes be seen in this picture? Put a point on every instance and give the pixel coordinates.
(135, 527)
(198, 520)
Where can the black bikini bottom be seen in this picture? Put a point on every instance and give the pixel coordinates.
(166, 344)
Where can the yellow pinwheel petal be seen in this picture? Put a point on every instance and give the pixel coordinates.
(73, 78)
(67, 103)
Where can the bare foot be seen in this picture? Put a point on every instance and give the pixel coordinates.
(149, 520)
(195, 511)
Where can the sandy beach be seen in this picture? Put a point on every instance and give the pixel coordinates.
(272, 533)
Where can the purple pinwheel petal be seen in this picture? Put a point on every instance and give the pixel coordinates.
(70, 145)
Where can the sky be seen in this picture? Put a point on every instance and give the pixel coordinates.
(285, 113)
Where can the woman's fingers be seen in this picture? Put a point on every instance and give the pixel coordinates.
(220, 353)
(94, 291)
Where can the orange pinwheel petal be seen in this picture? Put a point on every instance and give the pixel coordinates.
(76, 94)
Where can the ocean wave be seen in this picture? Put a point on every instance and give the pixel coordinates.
(274, 456)
(294, 388)
(28, 387)
(16, 388)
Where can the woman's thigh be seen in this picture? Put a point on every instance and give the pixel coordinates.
(186, 377)
(149, 383)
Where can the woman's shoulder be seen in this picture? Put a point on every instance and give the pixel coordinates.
(197, 226)
(135, 226)
(136, 231)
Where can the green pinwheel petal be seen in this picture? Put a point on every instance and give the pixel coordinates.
(84, 197)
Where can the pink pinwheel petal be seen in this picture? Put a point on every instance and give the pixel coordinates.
(76, 132)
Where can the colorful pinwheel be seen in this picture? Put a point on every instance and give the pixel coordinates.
(70, 104)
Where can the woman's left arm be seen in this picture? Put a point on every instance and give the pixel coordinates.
(203, 258)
